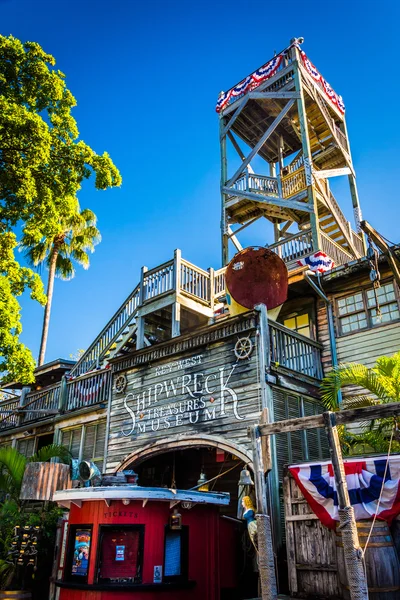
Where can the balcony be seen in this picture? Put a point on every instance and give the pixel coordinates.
(65, 397)
(297, 354)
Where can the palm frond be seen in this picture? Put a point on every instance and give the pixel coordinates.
(13, 463)
(64, 268)
(350, 374)
(52, 451)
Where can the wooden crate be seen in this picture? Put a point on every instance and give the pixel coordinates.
(42, 479)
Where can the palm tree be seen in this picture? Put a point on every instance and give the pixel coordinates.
(77, 236)
(382, 384)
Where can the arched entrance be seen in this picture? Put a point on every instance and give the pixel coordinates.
(178, 462)
(185, 442)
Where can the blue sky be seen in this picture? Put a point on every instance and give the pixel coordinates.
(146, 76)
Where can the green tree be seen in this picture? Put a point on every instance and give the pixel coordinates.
(42, 167)
(382, 384)
(77, 237)
(12, 509)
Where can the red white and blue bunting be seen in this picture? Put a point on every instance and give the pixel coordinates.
(364, 481)
(318, 262)
(330, 93)
(249, 83)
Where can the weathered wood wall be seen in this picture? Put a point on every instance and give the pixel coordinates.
(311, 548)
(362, 346)
(206, 390)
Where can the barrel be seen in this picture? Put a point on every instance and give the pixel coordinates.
(382, 565)
(15, 595)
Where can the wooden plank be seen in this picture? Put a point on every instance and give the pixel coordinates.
(342, 417)
(290, 538)
(260, 198)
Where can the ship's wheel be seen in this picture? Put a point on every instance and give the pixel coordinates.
(243, 348)
(120, 383)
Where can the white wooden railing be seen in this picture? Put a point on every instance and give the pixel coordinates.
(158, 281)
(336, 252)
(194, 281)
(261, 184)
(294, 247)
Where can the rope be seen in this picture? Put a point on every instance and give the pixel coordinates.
(353, 554)
(266, 565)
(216, 477)
(381, 492)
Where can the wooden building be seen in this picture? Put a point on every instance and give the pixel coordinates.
(170, 385)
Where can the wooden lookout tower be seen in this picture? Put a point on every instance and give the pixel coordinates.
(289, 117)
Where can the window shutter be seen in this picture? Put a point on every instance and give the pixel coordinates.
(26, 446)
(89, 442)
(71, 439)
(100, 442)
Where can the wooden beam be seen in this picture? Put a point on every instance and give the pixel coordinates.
(261, 141)
(378, 240)
(234, 239)
(353, 557)
(292, 204)
(274, 95)
(342, 417)
(236, 145)
(324, 173)
(245, 225)
(234, 117)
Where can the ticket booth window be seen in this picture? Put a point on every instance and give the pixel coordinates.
(176, 554)
(120, 554)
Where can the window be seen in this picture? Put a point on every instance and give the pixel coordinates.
(79, 549)
(26, 446)
(299, 323)
(358, 311)
(91, 438)
(176, 554)
(120, 554)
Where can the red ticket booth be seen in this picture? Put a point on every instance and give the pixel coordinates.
(128, 541)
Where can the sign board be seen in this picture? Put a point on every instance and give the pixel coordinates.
(210, 391)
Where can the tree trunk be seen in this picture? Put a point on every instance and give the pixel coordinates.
(47, 308)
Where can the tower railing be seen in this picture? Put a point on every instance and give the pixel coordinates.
(294, 247)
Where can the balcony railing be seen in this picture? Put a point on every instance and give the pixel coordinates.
(288, 349)
(260, 184)
(294, 247)
(335, 251)
(295, 352)
(88, 390)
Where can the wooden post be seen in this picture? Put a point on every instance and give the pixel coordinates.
(176, 307)
(22, 400)
(176, 319)
(62, 400)
(306, 152)
(266, 563)
(140, 320)
(353, 554)
(211, 283)
(224, 177)
(267, 402)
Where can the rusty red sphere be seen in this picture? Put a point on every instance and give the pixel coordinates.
(257, 276)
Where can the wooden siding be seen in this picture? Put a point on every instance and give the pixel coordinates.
(208, 391)
(366, 346)
(361, 346)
